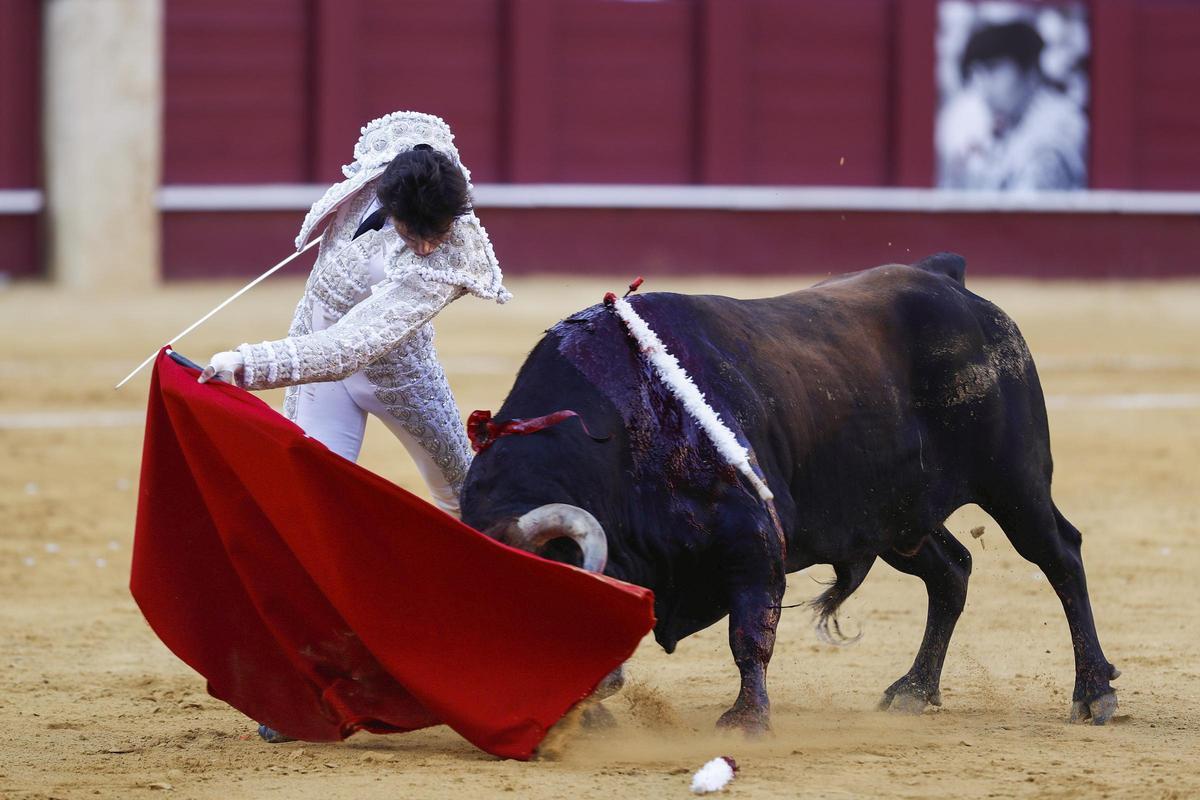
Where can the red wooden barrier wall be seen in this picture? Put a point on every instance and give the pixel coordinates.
(445, 57)
(1145, 118)
(675, 91)
(237, 105)
(20, 114)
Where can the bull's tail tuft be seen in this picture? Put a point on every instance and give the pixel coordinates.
(848, 577)
(952, 265)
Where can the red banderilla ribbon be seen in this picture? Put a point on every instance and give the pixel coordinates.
(483, 431)
(611, 297)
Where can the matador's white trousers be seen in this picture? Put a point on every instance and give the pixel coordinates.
(335, 414)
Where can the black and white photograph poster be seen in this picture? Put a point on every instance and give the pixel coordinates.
(1014, 93)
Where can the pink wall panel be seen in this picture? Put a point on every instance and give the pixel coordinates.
(237, 107)
(1166, 96)
(217, 244)
(20, 129)
(20, 246)
(1113, 84)
(817, 86)
(799, 92)
(604, 91)
(913, 92)
(444, 57)
(20, 112)
(675, 91)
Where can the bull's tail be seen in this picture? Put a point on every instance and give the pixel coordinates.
(848, 577)
(952, 265)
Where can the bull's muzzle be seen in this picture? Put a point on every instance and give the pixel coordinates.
(534, 529)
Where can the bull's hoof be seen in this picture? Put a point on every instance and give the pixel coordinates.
(1098, 712)
(750, 721)
(557, 738)
(612, 683)
(903, 697)
(908, 703)
(597, 717)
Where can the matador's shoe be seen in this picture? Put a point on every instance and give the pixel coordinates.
(272, 736)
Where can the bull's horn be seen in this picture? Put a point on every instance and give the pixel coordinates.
(559, 521)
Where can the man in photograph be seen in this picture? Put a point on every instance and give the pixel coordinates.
(1010, 128)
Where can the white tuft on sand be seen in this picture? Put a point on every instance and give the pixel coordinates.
(714, 776)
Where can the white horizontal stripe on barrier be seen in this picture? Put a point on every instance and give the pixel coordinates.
(296, 197)
(20, 201)
(231, 197)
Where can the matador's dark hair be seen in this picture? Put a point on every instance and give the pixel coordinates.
(424, 190)
(1018, 41)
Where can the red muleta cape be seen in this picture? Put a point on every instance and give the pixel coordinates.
(320, 599)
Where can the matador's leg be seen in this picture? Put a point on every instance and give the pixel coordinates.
(328, 413)
(408, 391)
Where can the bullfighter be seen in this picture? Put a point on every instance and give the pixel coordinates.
(400, 243)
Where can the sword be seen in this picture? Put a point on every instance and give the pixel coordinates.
(175, 339)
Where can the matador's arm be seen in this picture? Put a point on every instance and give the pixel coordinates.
(396, 308)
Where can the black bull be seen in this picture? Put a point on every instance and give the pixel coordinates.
(875, 404)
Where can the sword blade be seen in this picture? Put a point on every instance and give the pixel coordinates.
(175, 339)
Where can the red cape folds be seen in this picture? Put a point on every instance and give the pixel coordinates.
(320, 599)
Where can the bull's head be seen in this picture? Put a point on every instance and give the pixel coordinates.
(536, 529)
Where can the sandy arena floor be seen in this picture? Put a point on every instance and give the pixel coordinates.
(91, 704)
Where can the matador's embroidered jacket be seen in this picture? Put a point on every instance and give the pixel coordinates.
(369, 301)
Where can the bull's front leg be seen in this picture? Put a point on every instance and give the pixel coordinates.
(753, 618)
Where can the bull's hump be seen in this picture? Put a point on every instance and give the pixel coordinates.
(881, 278)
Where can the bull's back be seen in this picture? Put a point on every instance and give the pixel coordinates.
(864, 338)
(915, 329)
(862, 380)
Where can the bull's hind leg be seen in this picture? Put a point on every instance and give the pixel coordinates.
(1041, 534)
(944, 565)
